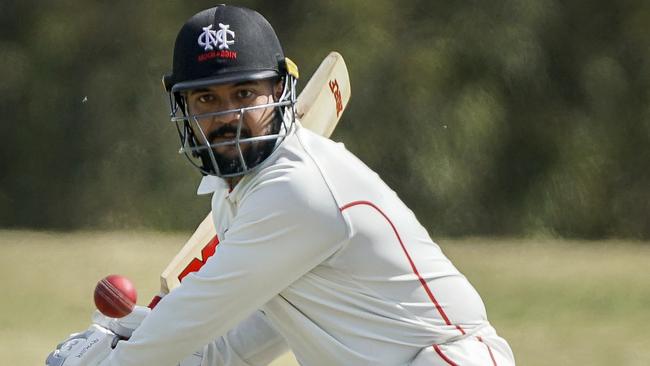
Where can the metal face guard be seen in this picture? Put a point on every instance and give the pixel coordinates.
(250, 150)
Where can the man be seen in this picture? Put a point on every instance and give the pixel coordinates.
(317, 255)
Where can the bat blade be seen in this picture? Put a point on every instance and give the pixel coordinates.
(325, 96)
(319, 107)
(191, 256)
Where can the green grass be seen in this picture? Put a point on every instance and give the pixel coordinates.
(557, 302)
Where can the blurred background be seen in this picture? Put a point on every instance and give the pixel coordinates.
(523, 119)
(515, 117)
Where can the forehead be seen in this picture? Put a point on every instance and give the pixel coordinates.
(220, 88)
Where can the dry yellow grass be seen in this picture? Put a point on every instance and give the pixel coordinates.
(557, 302)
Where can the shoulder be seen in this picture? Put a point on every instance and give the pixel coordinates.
(288, 198)
(291, 183)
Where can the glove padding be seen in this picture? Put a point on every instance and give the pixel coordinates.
(84, 349)
(125, 326)
(91, 347)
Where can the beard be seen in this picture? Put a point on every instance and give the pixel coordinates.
(252, 152)
(227, 157)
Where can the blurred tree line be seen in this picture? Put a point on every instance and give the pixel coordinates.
(514, 117)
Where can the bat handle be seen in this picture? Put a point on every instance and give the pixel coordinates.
(156, 299)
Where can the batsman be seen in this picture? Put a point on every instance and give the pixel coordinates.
(316, 254)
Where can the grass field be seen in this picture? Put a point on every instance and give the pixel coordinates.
(557, 302)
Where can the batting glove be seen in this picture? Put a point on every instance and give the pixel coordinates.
(84, 349)
(125, 326)
(91, 347)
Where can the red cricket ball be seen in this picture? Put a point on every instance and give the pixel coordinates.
(115, 296)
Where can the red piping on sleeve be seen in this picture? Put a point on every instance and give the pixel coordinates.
(494, 362)
(442, 355)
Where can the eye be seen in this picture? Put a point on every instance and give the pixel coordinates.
(205, 98)
(244, 94)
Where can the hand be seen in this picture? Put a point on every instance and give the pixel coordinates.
(89, 348)
(125, 326)
(84, 349)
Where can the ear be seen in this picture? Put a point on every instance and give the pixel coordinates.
(278, 87)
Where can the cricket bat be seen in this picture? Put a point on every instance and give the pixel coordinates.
(319, 107)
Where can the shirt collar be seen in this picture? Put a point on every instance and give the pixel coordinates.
(210, 184)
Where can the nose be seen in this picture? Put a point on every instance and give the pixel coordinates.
(214, 122)
(231, 117)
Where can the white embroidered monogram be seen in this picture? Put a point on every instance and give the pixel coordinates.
(210, 38)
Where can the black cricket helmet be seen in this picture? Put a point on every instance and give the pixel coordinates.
(224, 45)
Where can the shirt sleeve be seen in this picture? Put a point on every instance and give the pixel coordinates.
(286, 225)
(254, 342)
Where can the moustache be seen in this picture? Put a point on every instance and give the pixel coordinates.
(229, 129)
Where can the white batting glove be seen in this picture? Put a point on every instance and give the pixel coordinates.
(84, 349)
(125, 326)
(91, 347)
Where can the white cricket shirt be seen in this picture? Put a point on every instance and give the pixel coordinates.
(319, 256)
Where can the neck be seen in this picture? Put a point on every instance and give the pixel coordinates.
(232, 182)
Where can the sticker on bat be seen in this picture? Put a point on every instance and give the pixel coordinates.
(336, 91)
(196, 264)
